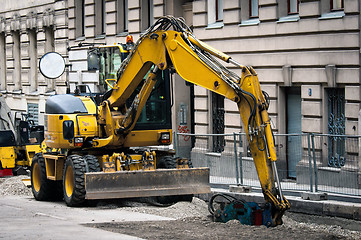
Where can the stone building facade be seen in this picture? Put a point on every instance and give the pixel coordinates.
(314, 49)
(28, 29)
(307, 56)
(306, 53)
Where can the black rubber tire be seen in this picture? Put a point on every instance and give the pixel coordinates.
(190, 164)
(42, 188)
(74, 185)
(92, 166)
(169, 162)
(93, 163)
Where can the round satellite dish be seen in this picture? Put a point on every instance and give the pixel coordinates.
(52, 65)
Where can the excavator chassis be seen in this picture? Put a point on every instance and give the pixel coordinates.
(160, 182)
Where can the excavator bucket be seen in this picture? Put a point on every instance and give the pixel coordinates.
(160, 182)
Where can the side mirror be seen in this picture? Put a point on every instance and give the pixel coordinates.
(52, 65)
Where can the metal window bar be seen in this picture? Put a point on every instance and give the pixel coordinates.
(33, 112)
(336, 127)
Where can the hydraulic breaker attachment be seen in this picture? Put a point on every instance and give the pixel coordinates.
(248, 213)
(160, 182)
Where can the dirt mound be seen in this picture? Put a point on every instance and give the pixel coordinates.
(193, 221)
(178, 211)
(10, 186)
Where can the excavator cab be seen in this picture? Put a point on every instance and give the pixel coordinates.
(155, 114)
(110, 59)
(28, 133)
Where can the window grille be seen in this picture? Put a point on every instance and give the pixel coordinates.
(218, 122)
(33, 112)
(336, 126)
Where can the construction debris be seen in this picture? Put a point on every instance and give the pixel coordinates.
(10, 186)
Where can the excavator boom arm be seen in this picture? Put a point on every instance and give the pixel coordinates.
(195, 61)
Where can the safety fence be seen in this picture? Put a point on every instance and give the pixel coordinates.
(306, 162)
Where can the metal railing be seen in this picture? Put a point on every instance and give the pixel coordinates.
(306, 162)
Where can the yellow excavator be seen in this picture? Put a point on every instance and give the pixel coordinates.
(98, 141)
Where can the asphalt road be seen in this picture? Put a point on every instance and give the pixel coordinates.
(25, 218)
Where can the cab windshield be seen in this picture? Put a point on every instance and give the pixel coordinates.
(110, 60)
(155, 114)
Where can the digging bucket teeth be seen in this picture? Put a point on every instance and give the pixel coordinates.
(160, 182)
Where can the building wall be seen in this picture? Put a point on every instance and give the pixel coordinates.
(307, 45)
(313, 50)
(29, 29)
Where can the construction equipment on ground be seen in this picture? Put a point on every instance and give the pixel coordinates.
(99, 155)
(20, 140)
(229, 208)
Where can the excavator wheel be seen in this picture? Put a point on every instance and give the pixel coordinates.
(74, 181)
(92, 166)
(42, 188)
(93, 163)
(169, 162)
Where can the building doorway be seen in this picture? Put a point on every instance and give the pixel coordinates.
(294, 143)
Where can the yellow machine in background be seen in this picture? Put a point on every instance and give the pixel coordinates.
(20, 140)
(97, 158)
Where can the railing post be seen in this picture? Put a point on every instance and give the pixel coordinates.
(314, 161)
(240, 158)
(310, 161)
(236, 156)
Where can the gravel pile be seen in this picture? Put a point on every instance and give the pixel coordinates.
(178, 211)
(335, 230)
(10, 186)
